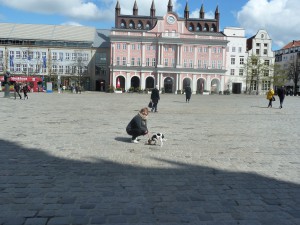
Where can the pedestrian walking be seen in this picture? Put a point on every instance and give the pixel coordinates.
(17, 90)
(138, 125)
(281, 95)
(155, 98)
(25, 91)
(270, 97)
(188, 93)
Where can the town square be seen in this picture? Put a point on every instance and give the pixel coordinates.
(147, 112)
(228, 159)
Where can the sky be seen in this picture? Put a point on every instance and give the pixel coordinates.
(279, 17)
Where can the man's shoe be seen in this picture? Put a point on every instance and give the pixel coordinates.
(134, 141)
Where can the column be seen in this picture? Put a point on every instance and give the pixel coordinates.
(162, 55)
(143, 55)
(128, 54)
(194, 84)
(208, 83)
(224, 58)
(180, 56)
(114, 80)
(195, 56)
(178, 53)
(222, 88)
(128, 82)
(158, 57)
(209, 57)
(177, 81)
(143, 81)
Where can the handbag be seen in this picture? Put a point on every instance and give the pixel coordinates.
(273, 98)
(150, 104)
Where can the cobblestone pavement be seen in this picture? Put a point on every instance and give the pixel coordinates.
(66, 159)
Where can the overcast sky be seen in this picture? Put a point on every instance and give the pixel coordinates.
(279, 17)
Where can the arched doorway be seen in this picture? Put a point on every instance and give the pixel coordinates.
(215, 86)
(200, 86)
(186, 82)
(120, 82)
(168, 85)
(135, 83)
(149, 82)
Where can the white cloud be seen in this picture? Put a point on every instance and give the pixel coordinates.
(71, 23)
(77, 9)
(92, 10)
(207, 15)
(279, 17)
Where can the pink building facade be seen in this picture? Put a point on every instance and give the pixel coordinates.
(172, 53)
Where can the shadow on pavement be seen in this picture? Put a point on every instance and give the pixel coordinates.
(37, 188)
(123, 139)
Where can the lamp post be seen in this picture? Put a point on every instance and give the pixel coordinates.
(6, 82)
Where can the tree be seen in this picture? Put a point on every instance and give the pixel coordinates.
(279, 76)
(257, 72)
(294, 69)
(80, 68)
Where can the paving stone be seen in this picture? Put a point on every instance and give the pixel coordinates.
(67, 159)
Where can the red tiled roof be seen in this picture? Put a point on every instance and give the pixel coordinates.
(292, 44)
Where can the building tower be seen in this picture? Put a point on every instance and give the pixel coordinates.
(135, 9)
(170, 6)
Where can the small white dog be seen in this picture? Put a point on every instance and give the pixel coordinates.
(157, 138)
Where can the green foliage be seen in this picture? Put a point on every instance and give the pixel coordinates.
(110, 89)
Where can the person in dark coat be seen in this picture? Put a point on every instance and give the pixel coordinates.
(138, 125)
(188, 93)
(281, 94)
(25, 91)
(155, 98)
(17, 90)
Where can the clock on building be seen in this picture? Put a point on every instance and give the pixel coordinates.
(171, 19)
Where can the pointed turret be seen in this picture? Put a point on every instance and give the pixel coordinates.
(217, 14)
(202, 12)
(170, 6)
(186, 11)
(117, 13)
(152, 10)
(118, 9)
(135, 9)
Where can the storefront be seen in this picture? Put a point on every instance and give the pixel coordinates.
(35, 83)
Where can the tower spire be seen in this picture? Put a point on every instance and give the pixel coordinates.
(186, 11)
(202, 12)
(135, 9)
(170, 6)
(152, 10)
